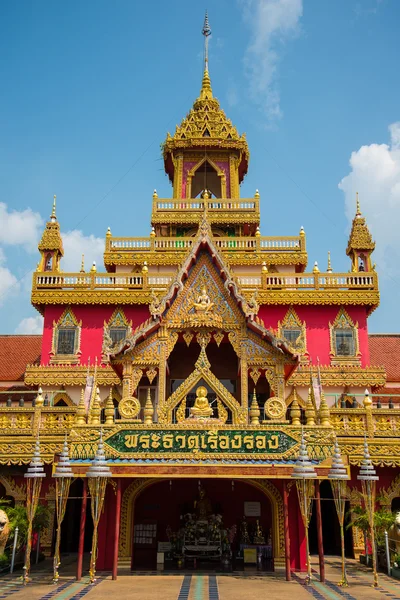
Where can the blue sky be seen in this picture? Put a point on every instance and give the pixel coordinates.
(89, 90)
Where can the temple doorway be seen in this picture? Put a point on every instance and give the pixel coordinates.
(209, 524)
(330, 525)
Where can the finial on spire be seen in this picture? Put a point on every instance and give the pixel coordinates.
(206, 31)
(53, 217)
(329, 269)
(358, 210)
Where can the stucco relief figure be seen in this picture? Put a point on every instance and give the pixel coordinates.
(4, 531)
(203, 303)
(201, 408)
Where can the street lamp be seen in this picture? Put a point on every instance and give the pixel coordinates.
(338, 476)
(304, 473)
(34, 476)
(97, 475)
(63, 475)
(368, 478)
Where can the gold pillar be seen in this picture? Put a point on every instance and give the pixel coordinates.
(244, 384)
(126, 379)
(162, 371)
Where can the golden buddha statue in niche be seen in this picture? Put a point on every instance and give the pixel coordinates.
(203, 303)
(201, 408)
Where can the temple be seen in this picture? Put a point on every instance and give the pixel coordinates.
(202, 353)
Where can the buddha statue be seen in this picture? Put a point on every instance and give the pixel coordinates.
(203, 303)
(201, 408)
(203, 505)
(244, 534)
(258, 536)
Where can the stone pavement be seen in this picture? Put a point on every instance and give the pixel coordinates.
(202, 586)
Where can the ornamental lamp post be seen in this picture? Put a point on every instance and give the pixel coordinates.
(97, 475)
(34, 476)
(368, 478)
(338, 476)
(304, 473)
(63, 475)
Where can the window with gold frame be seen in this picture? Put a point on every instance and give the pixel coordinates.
(116, 329)
(66, 339)
(293, 330)
(344, 339)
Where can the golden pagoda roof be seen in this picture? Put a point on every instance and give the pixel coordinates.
(206, 125)
(51, 237)
(360, 236)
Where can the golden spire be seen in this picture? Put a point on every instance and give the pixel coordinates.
(360, 237)
(329, 269)
(358, 209)
(51, 239)
(53, 217)
(83, 264)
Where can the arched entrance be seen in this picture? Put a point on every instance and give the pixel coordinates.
(155, 511)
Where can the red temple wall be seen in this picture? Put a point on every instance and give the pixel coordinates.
(92, 318)
(317, 319)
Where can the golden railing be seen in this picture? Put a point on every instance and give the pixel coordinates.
(27, 419)
(214, 205)
(288, 281)
(311, 281)
(261, 244)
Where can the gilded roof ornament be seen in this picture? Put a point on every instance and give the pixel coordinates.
(206, 124)
(360, 236)
(51, 237)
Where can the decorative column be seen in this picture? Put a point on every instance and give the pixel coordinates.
(319, 532)
(338, 476)
(117, 527)
(63, 475)
(82, 532)
(162, 372)
(34, 476)
(244, 385)
(286, 528)
(304, 473)
(368, 478)
(97, 475)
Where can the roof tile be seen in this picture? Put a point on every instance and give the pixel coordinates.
(384, 351)
(17, 351)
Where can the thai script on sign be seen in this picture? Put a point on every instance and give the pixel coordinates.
(227, 441)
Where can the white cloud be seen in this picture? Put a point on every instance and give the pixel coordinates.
(8, 282)
(30, 325)
(271, 22)
(20, 227)
(75, 244)
(375, 174)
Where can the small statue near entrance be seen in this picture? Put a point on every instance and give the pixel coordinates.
(244, 534)
(258, 536)
(201, 408)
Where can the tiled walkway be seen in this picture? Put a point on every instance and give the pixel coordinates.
(204, 586)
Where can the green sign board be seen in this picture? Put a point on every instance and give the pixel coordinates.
(147, 441)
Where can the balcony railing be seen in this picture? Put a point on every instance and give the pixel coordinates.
(290, 282)
(213, 205)
(314, 281)
(259, 244)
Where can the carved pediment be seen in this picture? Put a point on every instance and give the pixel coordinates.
(185, 311)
